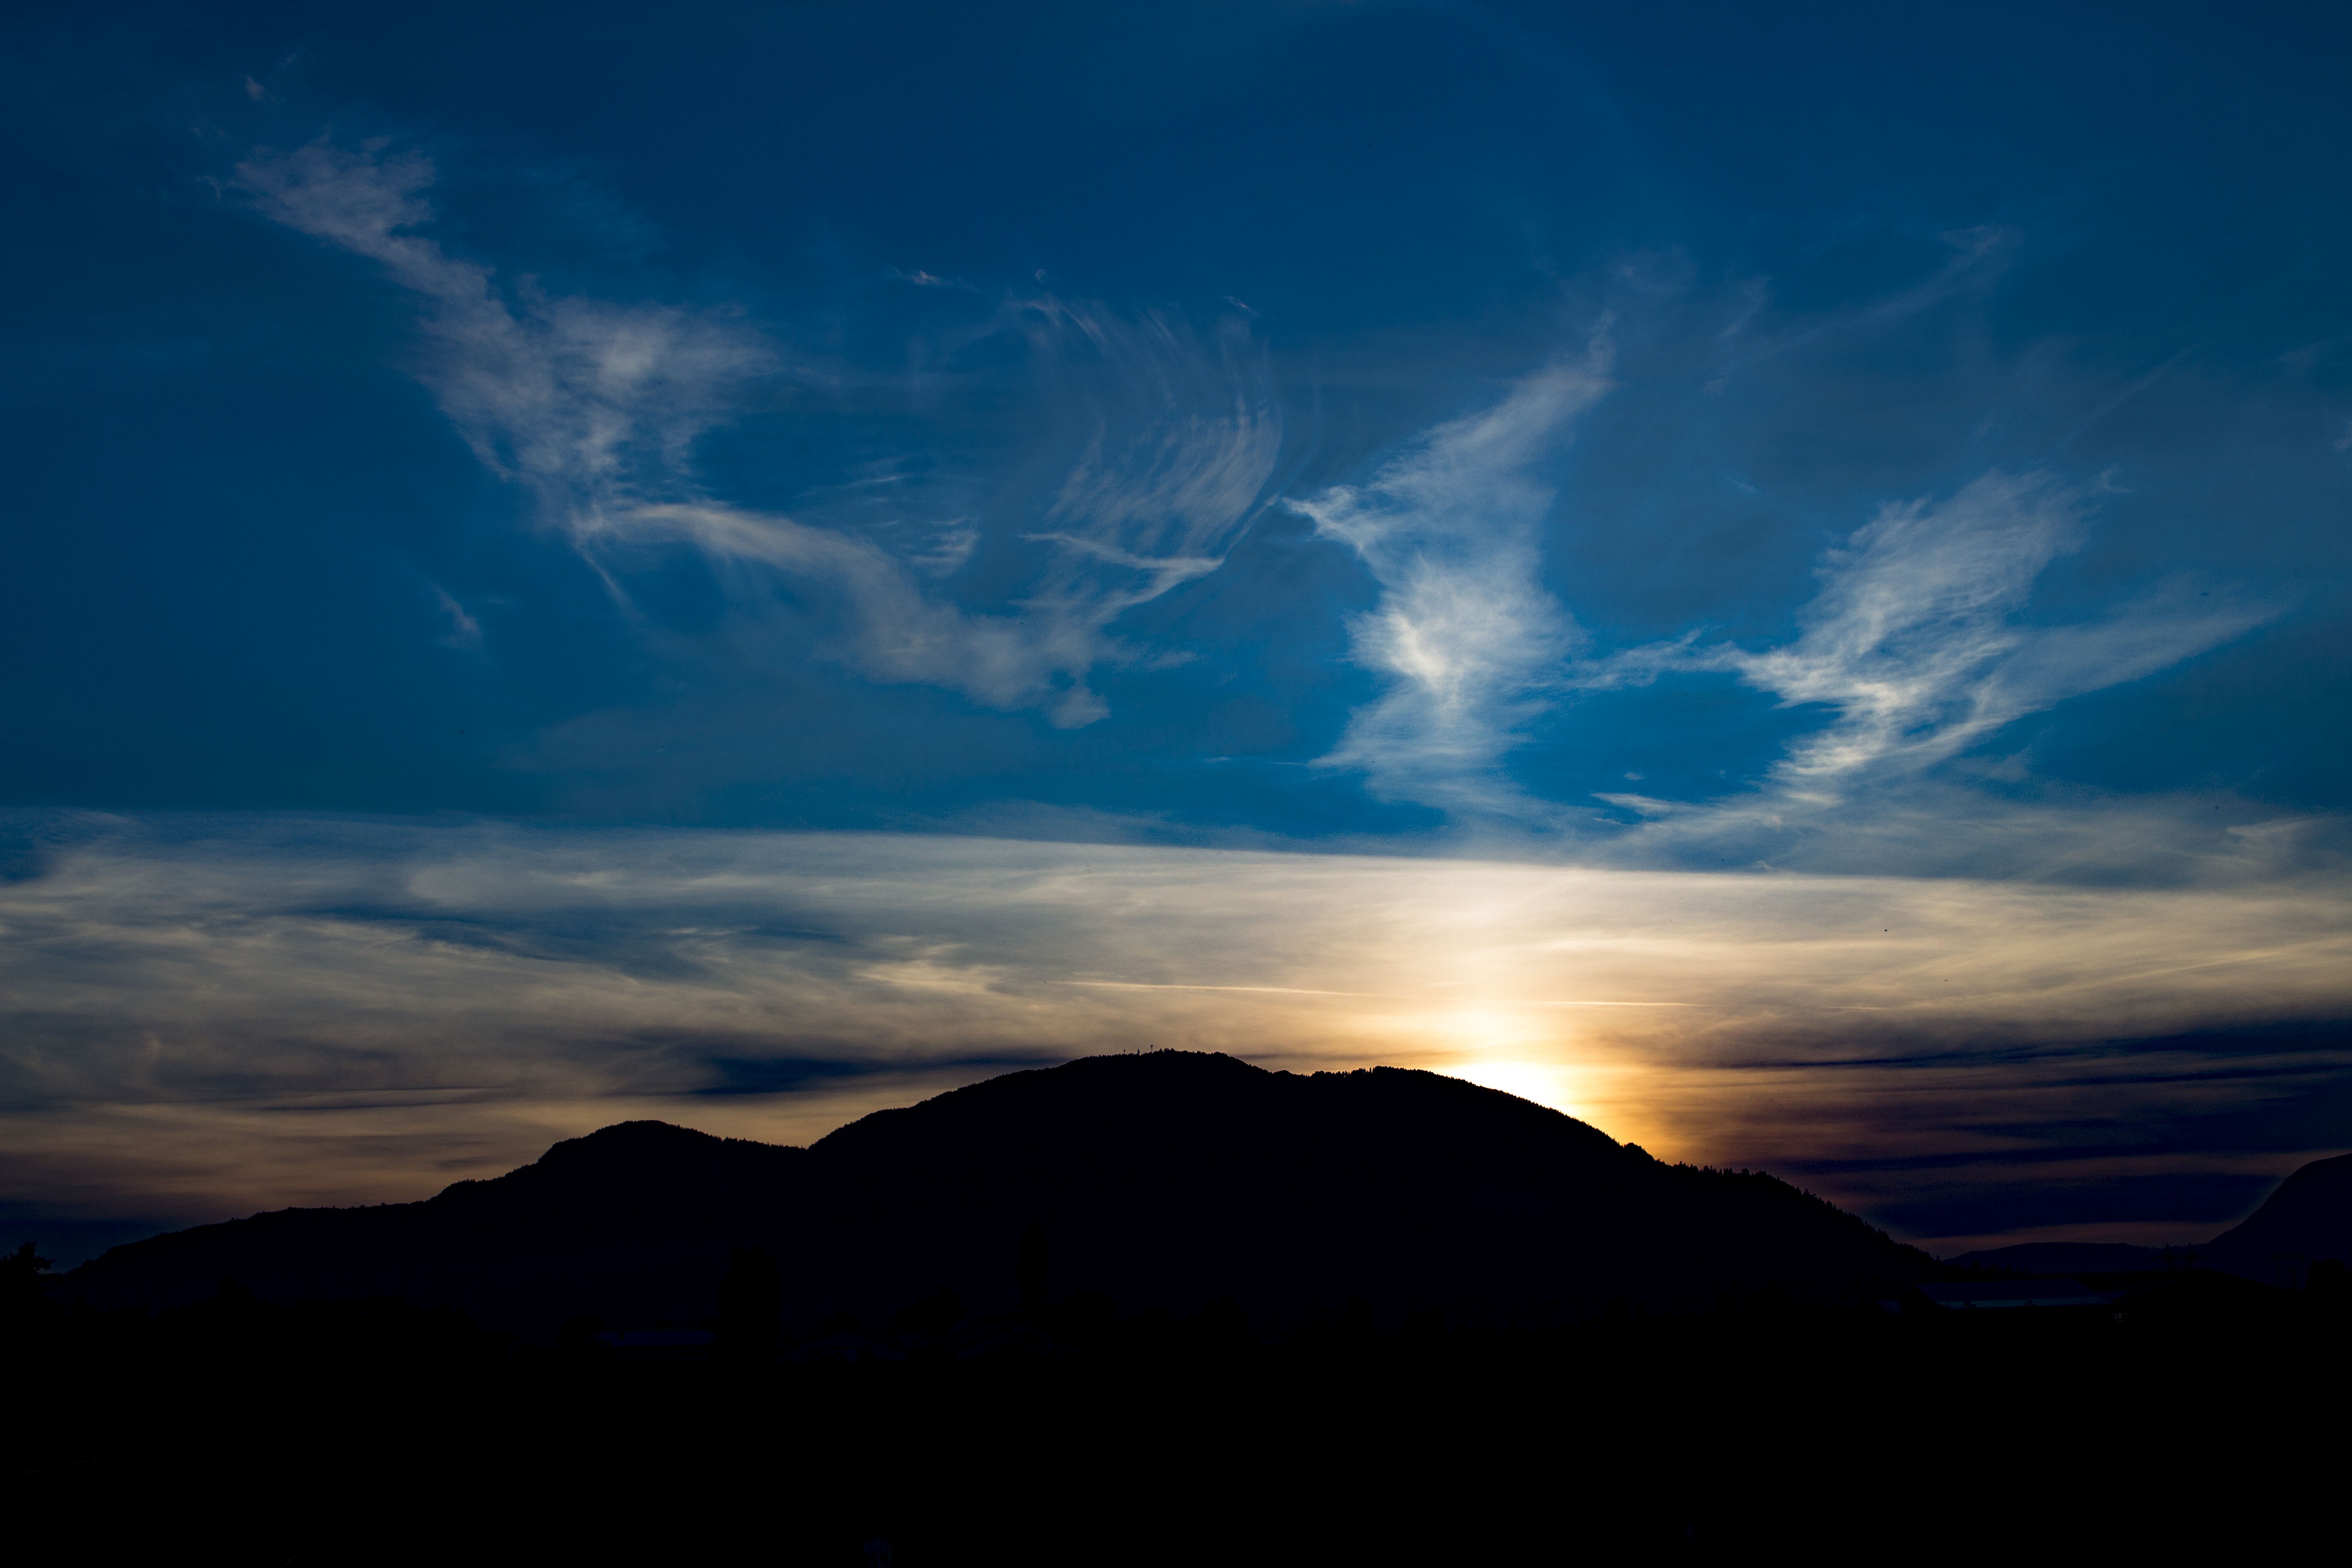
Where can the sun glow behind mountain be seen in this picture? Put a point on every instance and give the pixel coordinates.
(463, 991)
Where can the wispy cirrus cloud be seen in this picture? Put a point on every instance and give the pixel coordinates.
(1469, 639)
(594, 404)
(597, 407)
(1916, 644)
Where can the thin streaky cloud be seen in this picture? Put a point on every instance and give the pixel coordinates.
(1383, 995)
(465, 631)
(1978, 254)
(598, 407)
(1469, 637)
(1916, 644)
(186, 978)
(1915, 641)
(593, 404)
(1267, 990)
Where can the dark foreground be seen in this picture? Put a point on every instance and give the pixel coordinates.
(237, 1432)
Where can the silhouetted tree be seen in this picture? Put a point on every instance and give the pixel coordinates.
(20, 1284)
(1426, 1328)
(1029, 1267)
(1086, 1319)
(2329, 1286)
(935, 1314)
(1221, 1326)
(750, 1306)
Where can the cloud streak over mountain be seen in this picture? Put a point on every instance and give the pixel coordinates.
(258, 996)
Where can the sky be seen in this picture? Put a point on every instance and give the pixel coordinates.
(1773, 578)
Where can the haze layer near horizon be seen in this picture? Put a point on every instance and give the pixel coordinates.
(234, 1014)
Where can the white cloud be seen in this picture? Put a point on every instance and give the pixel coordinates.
(1469, 636)
(1915, 642)
(597, 407)
(949, 546)
(897, 632)
(1916, 645)
(465, 631)
(1913, 618)
(594, 404)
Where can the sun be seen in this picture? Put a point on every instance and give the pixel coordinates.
(1543, 1082)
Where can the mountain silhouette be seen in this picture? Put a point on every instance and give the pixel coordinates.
(2308, 1216)
(1167, 1180)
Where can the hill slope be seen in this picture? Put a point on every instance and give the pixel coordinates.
(2308, 1215)
(1163, 1180)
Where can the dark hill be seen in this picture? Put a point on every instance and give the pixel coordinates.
(2308, 1215)
(1162, 1180)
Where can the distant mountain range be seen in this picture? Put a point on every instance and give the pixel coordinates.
(1166, 1180)
(2308, 1217)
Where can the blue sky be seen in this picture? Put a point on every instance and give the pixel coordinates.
(1906, 445)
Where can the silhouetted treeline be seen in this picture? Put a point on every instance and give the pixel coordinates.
(1069, 1431)
(1168, 1179)
(1141, 1311)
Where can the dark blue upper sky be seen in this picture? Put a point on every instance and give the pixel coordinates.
(1016, 358)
